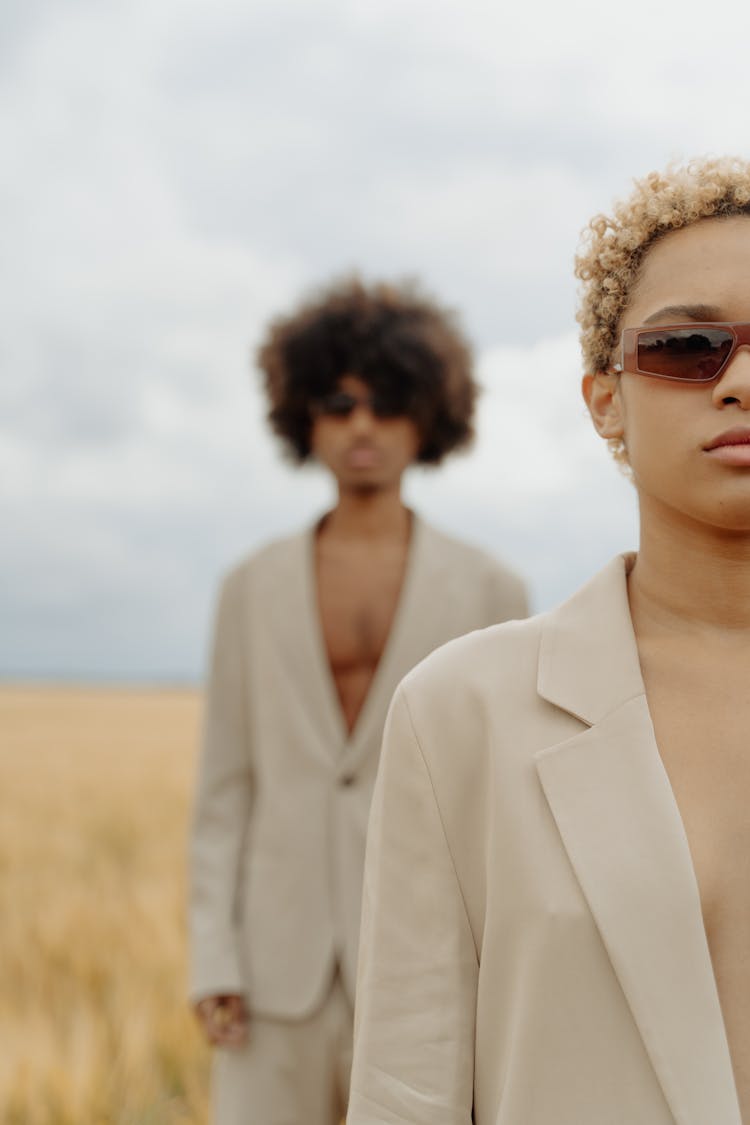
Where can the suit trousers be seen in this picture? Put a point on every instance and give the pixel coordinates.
(290, 1072)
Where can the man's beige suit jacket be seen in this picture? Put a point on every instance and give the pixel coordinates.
(533, 949)
(284, 791)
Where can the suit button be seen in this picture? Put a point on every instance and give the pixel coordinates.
(346, 780)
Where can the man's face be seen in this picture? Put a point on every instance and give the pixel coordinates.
(701, 273)
(364, 452)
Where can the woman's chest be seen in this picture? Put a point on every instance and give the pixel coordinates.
(703, 736)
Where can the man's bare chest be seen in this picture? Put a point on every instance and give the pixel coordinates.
(358, 595)
(357, 609)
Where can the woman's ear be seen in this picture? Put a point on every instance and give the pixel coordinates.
(601, 393)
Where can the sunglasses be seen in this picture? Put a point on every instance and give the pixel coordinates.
(341, 404)
(685, 353)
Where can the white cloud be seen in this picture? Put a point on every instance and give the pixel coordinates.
(177, 171)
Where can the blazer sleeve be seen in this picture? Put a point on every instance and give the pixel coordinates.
(222, 807)
(418, 966)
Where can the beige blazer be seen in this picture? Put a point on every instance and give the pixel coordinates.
(533, 948)
(284, 792)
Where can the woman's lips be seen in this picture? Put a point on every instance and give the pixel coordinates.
(731, 447)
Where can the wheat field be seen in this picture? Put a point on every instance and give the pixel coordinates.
(94, 1025)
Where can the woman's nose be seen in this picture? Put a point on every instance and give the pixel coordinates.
(733, 387)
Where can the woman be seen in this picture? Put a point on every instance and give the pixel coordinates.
(556, 925)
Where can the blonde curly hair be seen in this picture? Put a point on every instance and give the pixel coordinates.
(613, 248)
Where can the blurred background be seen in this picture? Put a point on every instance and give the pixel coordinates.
(174, 172)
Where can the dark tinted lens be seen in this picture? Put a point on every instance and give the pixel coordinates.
(339, 404)
(689, 354)
(383, 407)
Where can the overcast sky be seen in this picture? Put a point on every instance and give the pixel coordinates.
(174, 172)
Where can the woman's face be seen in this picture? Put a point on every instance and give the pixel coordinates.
(701, 273)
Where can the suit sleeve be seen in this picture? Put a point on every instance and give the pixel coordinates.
(418, 967)
(222, 807)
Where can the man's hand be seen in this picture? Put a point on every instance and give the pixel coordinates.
(224, 1020)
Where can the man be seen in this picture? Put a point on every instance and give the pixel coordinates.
(313, 633)
(557, 890)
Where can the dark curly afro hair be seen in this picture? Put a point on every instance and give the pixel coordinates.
(395, 338)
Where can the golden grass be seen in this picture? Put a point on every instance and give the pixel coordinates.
(94, 1025)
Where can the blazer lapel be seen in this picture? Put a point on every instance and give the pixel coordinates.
(619, 822)
(305, 650)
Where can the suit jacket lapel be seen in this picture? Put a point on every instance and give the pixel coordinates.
(305, 647)
(618, 820)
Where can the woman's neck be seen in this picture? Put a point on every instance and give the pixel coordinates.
(690, 578)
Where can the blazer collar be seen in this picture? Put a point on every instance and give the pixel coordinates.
(619, 823)
(588, 659)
